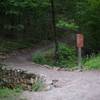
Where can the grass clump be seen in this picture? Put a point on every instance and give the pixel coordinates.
(93, 62)
(38, 86)
(6, 92)
(67, 56)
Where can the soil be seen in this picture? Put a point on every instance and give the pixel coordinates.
(68, 85)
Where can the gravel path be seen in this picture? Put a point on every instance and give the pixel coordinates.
(70, 86)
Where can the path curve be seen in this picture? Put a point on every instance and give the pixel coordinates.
(71, 85)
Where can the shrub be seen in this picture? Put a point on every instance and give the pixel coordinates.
(46, 57)
(67, 56)
(93, 62)
(39, 58)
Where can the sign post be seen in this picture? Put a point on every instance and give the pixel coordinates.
(80, 44)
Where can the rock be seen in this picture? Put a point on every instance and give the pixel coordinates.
(47, 66)
(47, 87)
(56, 68)
(42, 77)
(12, 78)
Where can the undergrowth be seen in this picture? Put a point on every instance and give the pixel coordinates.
(38, 86)
(92, 62)
(6, 92)
(9, 46)
(67, 57)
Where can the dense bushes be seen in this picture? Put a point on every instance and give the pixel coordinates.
(93, 62)
(67, 56)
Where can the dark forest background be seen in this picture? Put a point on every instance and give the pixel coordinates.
(27, 22)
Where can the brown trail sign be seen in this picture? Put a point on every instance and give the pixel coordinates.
(80, 45)
(80, 40)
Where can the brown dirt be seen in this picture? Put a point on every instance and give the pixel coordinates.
(70, 86)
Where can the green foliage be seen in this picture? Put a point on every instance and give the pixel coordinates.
(66, 25)
(38, 86)
(43, 57)
(25, 19)
(5, 92)
(87, 14)
(39, 58)
(31, 18)
(93, 62)
(67, 56)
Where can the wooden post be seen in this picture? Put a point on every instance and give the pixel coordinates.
(80, 58)
(80, 44)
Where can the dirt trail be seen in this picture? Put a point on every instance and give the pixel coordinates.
(71, 85)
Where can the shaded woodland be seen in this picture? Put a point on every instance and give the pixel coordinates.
(27, 22)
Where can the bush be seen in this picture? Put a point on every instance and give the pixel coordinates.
(39, 58)
(67, 56)
(46, 57)
(93, 62)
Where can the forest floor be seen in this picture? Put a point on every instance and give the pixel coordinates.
(70, 85)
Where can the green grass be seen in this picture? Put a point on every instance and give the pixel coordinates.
(9, 93)
(12, 94)
(38, 86)
(6, 93)
(93, 62)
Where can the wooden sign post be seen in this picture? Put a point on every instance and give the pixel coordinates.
(80, 44)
